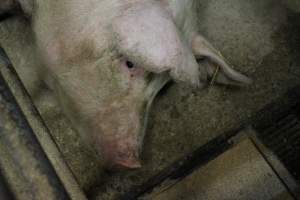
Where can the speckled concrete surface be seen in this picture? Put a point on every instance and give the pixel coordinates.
(260, 38)
(240, 173)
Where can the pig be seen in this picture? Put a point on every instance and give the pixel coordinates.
(106, 60)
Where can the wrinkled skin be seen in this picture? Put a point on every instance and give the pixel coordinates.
(106, 60)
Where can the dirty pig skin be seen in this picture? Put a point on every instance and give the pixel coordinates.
(107, 59)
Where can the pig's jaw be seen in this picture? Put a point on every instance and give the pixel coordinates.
(159, 81)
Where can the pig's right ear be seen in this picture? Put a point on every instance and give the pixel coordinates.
(10, 8)
(212, 58)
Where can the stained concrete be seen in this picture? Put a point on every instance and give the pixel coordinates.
(240, 173)
(260, 38)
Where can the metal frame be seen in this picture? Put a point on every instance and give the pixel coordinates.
(30, 161)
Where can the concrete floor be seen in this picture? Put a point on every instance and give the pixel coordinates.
(240, 173)
(260, 38)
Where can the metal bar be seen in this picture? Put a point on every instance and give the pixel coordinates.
(278, 168)
(34, 151)
(184, 166)
(22, 157)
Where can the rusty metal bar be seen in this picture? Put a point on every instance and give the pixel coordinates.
(29, 158)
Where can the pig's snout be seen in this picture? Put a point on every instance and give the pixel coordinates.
(120, 153)
(116, 135)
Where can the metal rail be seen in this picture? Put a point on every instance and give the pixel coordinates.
(29, 158)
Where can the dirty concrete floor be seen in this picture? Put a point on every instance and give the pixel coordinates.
(240, 173)
(260, 38)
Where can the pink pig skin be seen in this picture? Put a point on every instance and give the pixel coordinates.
(107, 59)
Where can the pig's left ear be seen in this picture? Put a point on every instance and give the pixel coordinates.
(9, 8)
(205, 52)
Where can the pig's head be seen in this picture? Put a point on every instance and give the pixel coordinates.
(106, 61)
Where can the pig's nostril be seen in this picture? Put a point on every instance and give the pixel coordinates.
(129, 64)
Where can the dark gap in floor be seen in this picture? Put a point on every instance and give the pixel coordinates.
(278, 127)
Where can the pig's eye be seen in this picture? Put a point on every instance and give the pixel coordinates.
(130, 68)
(129, 64)
(200, 59)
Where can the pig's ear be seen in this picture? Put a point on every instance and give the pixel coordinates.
(9, 8)
(205, 52)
